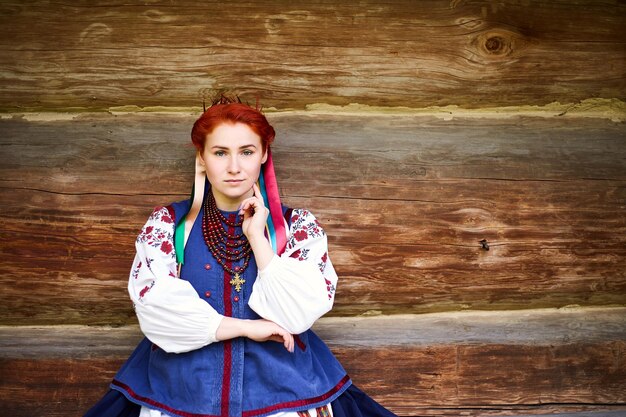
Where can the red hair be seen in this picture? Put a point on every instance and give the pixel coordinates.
(231, 112)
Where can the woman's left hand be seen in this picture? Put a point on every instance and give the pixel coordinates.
(254, 215)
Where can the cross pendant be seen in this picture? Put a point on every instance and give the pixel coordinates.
(237, 282)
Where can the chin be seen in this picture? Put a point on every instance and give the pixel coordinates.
(237, 194)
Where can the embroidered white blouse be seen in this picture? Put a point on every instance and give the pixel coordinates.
(293, 290)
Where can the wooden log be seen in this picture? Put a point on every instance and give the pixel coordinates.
(394, 53)
(478, 363)
(405, 214)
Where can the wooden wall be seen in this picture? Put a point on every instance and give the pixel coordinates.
(405, 199)
(405, 190)
(96, 55)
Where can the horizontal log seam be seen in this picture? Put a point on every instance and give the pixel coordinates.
(536, 327)
(613, 109)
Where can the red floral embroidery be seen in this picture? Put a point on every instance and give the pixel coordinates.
(166, 247)
(301, 254)
(330, 288)
(322, 265)
(303, 226)
(300, 235)
(144, 291)
(135, 271)
(159, 233)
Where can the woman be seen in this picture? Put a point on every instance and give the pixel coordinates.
(226, 286)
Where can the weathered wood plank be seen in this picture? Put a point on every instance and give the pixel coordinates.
(392, 53)
(489, 363)
(521, 327)
(405, 201)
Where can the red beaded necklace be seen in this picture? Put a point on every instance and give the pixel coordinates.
(224, 248)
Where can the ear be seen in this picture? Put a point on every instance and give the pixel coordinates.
(200, 166)
(265, 154)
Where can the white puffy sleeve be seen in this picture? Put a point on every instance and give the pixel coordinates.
(298, 287)
(170, 312)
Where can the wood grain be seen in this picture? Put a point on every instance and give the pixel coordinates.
(85, 55)
(404, 200)
(472, 363)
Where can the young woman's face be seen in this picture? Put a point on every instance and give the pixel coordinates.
(232, 156)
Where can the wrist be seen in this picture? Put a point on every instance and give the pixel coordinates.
(231, 328)
(262, 250)
(257, 239)
(244, 327)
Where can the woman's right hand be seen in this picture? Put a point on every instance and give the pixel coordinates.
(260, 330)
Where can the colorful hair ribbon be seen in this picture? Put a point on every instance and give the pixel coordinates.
(275, 221)
(183, 228)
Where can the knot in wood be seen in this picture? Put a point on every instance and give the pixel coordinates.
(494, 44)
(498, 43)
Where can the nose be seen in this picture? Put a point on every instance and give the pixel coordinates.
(233, 165)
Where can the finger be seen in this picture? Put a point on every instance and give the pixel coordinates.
(287, 339)
(254, 202)
(257, 193)
(248, 205)
(280, 339)
(289, 343)
(243, 206)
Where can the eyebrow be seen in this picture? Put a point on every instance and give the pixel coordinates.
(241, 147)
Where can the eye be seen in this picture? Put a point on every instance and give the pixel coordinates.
(220, 153)
(248, 152)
